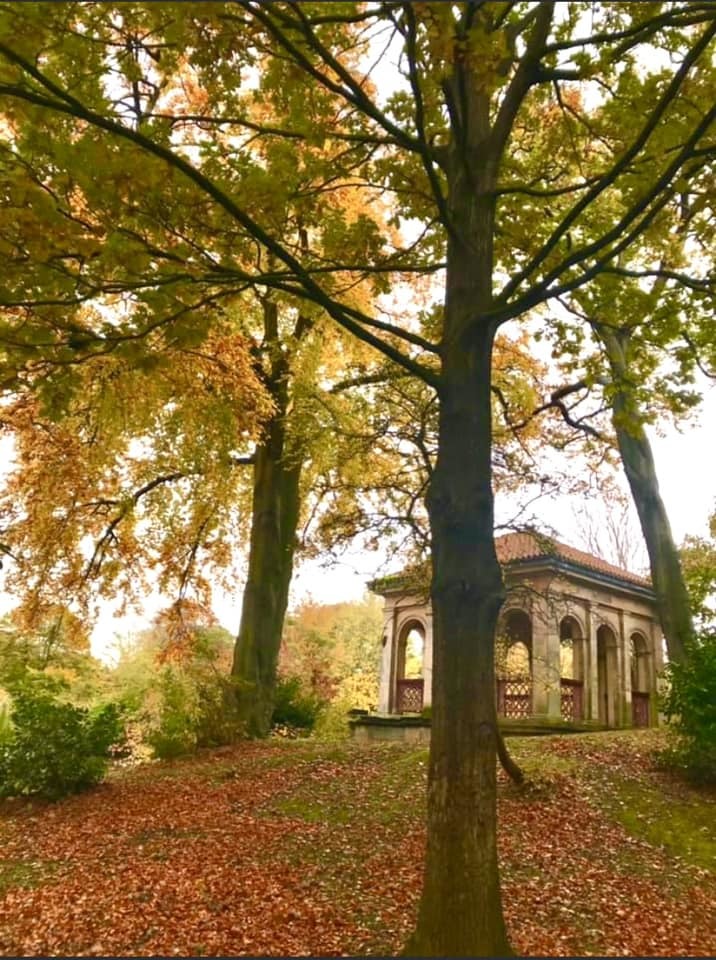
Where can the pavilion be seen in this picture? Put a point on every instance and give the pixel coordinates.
(579, 640)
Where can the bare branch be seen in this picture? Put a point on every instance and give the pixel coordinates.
(612, 175)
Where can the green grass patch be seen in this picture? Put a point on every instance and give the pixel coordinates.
(313, 810)
(682, 826)
(25, 873)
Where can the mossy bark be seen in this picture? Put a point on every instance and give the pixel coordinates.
(274, 522)
(672, 597)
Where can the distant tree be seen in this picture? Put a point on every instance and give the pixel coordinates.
(334, 649)
(58, 648)
(698, 559)
(606, 526)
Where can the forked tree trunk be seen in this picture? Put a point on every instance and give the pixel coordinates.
(274, 521)
(672, 597)
(460, 911)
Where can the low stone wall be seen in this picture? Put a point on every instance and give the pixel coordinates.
(416, 729)
(400, 729)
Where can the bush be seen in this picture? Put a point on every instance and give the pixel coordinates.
(173, 731)
(217, 722)
(53, 748)
(189, 708)
(293, 708)
(332, 722)
(690, 707)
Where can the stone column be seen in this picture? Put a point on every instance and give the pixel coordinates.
(656, 664)
(591, 673)
(546, 694)
(622, 707)
(387, 657)
(428, 660)
(627, 629)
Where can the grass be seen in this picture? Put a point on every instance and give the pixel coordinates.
(25, 874)
(684, 827)
(310, 848)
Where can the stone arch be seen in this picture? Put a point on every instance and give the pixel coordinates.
(607, 675)
(411, 649)
(640, 669)
(514, 664)
(410, 665)
(572, 648)
(572, 669)
(640, 662)
(515, 644)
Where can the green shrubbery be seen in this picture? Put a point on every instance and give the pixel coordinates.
(690, 706)
(51, 748)
(183, 702)
(170, 721)
(294, 709)
(188, 707)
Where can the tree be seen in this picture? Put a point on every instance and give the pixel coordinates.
(642, 332)
(334, 649)
(609, 531)
(512, 229)
(173, 510)
(641, 321)
(698, 559)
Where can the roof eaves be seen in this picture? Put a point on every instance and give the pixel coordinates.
(562, 565)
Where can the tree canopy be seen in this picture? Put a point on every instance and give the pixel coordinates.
(531, 146)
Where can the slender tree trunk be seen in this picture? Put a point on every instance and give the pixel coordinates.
(672, 597)
(274, 521)
(460, 910)
(513, 770)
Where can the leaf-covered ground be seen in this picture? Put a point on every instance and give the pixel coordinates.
(301, 848)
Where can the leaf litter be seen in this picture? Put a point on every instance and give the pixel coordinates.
(300, 848)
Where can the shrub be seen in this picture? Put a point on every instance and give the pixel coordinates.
(332, 722)
(293, 708)
(54, 748)
(172, 732)
(217, 721)
(690, 707)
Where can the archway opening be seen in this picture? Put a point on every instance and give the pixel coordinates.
(607, 675)
(571, 669)
(640, 679)
(409, 668)
(514, 665)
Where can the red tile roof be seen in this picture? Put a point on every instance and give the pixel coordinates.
(534, 546)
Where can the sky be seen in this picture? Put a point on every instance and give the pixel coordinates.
(685, 460)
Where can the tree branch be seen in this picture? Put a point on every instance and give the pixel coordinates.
(339, 313)
(609, 178)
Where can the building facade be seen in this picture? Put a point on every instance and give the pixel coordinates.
(578, 640)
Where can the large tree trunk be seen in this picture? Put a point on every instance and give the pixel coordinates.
(460, 910)
(274, 520)
(667, 578)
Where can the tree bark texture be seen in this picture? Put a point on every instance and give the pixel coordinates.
(274, 521)
(460, 911)
(672, 597)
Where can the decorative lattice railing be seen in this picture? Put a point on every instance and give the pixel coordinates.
(514, 697)
(571, 699)
(409, 696)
